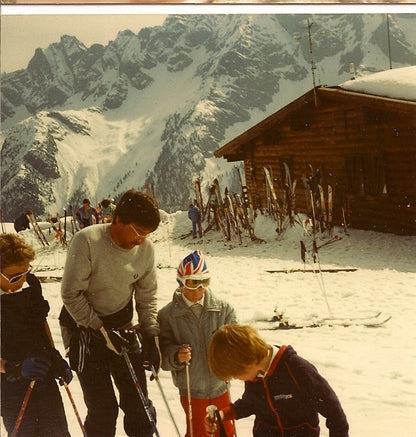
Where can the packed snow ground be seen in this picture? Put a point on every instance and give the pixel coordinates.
(373, 370)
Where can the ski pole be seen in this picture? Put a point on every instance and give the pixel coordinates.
(140, 391)
(63, 382)
(156, 377)
(23, 408)
(213, 413)
(71, 399)
(188, 387)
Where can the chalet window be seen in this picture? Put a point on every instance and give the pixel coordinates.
(365, 175)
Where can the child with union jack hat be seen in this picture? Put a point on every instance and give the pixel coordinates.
(193, 266)
(186, 327)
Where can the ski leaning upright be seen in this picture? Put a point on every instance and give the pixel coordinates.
(38, 231)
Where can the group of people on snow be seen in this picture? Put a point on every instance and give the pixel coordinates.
(85, 215)
(88, 215)
(113, 333)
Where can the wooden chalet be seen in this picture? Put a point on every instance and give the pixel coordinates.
(364, 145)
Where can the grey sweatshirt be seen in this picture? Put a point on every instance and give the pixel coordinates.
(100, 278)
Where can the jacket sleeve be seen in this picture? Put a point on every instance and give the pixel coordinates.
(39, 306)
(322, 397)
(168, 342)
(230, 316)
(243, 407)
(146, 300)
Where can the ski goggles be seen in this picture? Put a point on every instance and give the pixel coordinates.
(16, 278)
(195, 283)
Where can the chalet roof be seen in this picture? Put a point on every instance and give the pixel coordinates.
(234, 149)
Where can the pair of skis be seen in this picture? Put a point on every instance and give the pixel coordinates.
(38, 231)
(326, 205)
(279, 322)
(282, 209)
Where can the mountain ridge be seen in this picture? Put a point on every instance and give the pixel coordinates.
(152, 107)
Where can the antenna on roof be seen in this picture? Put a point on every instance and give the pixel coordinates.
(388, 38)
(352, 71)
(313, 68)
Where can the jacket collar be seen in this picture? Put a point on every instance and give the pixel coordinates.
(211, 303)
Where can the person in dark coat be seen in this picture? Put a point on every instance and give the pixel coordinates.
(22, 222)
(284, 391)
(194, 214)
(26, 349)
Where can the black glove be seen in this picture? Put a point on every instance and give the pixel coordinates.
(151, 354)
(117, 339)
(30, 368)
(61, 368)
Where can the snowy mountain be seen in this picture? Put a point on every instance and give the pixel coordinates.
(152, 107)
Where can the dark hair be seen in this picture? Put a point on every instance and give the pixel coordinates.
(86, 201)
(139, 208)
(105, 203)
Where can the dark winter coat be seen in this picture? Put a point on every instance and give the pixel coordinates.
(23, 335)
(194, 214)
(21, 223)
(286, 402)
(23, 315)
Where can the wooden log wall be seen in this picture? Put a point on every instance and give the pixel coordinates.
(326, 138)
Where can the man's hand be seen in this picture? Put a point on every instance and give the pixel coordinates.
(151, 355)
(30, 368)
(118, 339)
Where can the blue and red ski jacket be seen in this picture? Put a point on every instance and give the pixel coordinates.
(288, 400)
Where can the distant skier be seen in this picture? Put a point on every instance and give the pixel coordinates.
(22, 222)
(107, 210)
(194, 214)
(86, 214)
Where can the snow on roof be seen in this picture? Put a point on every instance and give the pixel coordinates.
(398, 83)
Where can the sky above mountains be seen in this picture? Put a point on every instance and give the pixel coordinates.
(25, 28)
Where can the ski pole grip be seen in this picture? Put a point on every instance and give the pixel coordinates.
(211, 409)
(186, 345)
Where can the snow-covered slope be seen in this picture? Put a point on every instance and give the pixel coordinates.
(373, 370)
(94, 121)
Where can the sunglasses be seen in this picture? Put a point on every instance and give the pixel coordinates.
(194, 284)
(18, 277)
(139, 236)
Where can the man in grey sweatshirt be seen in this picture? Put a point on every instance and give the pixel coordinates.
(109, 269)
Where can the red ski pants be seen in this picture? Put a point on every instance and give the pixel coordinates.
(199, 407)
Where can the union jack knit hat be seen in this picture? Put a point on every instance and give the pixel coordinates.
(192, 266)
